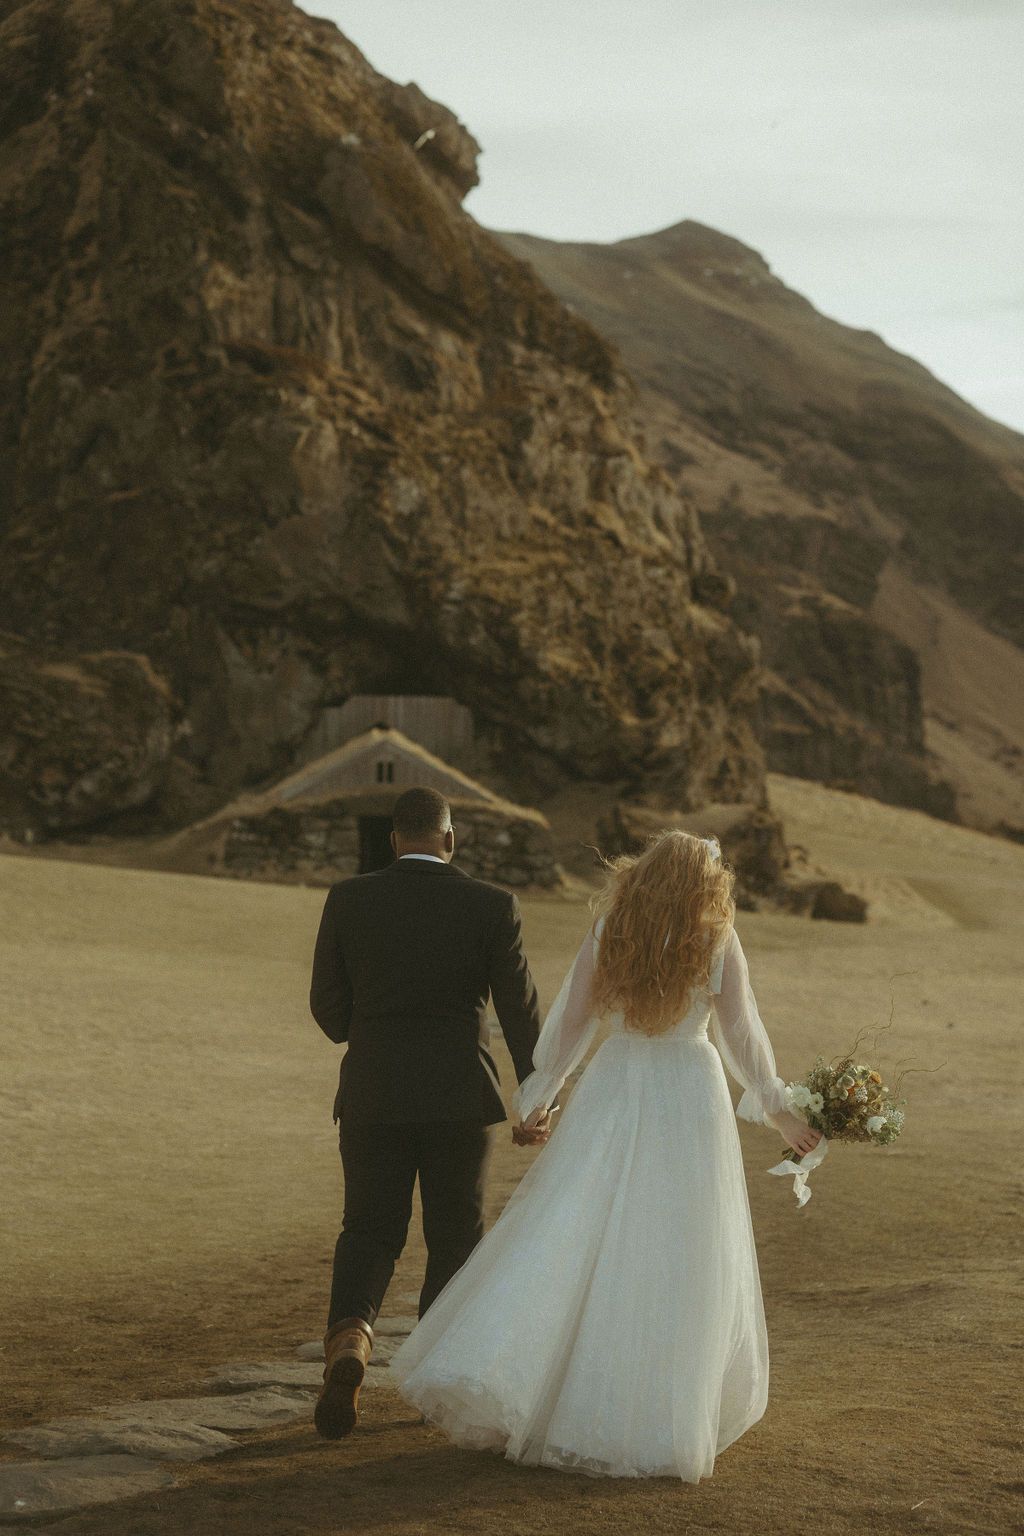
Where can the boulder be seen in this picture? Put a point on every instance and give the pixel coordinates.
(753, 842)
(751, 837)
(827, 900)
(83, 737)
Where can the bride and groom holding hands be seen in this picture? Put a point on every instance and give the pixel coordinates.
(611, 1321)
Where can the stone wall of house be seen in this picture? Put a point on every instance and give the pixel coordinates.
(513, 851)
(319, 845)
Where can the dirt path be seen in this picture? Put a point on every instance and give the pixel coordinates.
(171, 1197)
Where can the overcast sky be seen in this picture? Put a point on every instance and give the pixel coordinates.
(870, 150)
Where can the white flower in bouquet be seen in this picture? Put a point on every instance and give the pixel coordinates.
(847, 1101)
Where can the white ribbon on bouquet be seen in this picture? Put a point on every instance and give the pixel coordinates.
(798, 1172)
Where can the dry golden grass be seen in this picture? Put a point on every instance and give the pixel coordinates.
(171, 1196)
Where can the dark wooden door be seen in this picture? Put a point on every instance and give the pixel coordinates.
(374, 843)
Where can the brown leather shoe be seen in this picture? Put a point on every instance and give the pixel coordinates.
(347, 1348)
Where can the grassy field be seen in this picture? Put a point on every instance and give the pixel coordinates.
(171, 1195)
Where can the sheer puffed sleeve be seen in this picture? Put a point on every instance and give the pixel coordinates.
(741, 1037)
(568, 1030)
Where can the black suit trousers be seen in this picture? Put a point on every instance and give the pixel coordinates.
(381, 1164)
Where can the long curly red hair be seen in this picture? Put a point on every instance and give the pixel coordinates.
(666, 910)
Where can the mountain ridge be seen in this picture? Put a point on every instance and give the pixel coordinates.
(820, 462)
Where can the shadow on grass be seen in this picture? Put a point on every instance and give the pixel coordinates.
(393, 1475)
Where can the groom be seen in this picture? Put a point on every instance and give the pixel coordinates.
(405, 959)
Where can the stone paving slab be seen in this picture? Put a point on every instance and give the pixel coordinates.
(240, 1410)
(401, 1326)
(32, 1488)
(268, 1373)
(314, 1350)
(290, 1373)
(80, 1471)
(130, 1437)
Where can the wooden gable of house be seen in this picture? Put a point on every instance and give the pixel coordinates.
(378, 760)
(439, 724)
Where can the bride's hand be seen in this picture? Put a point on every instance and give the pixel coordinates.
(534, 1130)
(800, 1136)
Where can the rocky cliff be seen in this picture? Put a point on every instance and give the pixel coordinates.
(831, 473)
(278, 420)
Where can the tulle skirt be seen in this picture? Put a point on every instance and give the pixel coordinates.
(611, 1321)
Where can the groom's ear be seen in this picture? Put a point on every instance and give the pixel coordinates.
(394, 845)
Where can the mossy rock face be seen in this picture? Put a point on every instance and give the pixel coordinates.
(277, 414)
(83, 738)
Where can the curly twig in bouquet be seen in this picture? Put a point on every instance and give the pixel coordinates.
(846, 1099)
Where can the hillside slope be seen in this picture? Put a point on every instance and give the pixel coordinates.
(827, 469)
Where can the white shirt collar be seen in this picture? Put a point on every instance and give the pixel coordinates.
(432, 857)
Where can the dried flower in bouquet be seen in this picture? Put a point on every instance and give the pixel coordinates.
(847, 1100)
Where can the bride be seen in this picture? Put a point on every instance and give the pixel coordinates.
(611, 1320)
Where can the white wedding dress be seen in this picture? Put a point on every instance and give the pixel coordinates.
(611, 1320)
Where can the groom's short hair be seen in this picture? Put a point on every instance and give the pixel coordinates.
(421, 813)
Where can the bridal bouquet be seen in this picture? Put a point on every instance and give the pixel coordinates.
(847, 1101)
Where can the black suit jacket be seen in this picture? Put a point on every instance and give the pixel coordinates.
(405, 959)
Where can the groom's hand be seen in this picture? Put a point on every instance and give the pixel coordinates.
(533, 1131)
